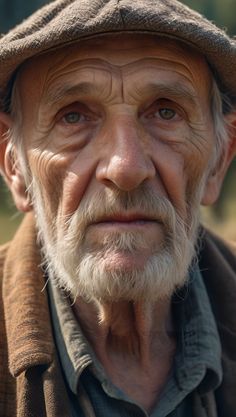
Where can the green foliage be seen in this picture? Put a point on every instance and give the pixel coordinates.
(4, 197)
(9, 217)
(222, 13)
(14, 11)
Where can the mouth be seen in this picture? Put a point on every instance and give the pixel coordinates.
(126, 220)
(141, 233)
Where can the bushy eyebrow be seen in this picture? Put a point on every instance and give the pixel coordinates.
(55, 95)
(174, 91)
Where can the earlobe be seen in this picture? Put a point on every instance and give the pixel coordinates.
(10, 167)
(15, 180)
(215, 179)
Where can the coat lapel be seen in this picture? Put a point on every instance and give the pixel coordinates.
(28, 326)
(33, 359)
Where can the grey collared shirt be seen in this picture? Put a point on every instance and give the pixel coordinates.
(197, 361)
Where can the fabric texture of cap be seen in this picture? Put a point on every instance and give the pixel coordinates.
(65, 21)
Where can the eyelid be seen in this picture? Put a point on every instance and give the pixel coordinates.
(90, 111)
(75, 107)
(82, 117)
(167, 103)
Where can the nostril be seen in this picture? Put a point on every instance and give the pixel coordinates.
(125, 173)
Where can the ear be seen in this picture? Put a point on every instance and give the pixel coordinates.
(10, 166)
(216, 177)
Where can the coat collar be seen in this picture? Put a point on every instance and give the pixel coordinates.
(30, 341)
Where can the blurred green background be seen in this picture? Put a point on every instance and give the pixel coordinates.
(221, 217)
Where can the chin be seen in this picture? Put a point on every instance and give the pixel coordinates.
(125, 278)
(125, 262)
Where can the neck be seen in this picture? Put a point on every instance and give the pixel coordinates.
(138, 330)
(134, 342)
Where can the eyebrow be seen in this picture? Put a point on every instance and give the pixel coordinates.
(175, 90)
(57, 94)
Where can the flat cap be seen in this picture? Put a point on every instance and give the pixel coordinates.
(65, 21)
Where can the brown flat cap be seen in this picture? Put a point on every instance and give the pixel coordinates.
(64, 21)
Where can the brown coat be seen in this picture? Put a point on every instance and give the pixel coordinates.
(31, 383)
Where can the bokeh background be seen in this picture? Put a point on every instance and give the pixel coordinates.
(222, 216)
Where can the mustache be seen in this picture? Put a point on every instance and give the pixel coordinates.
(142, 202)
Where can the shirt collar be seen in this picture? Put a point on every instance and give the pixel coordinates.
(74, 350)
(199, 348)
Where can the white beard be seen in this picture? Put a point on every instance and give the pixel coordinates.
(82, 269)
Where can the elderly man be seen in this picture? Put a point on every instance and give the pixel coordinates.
(117, 123)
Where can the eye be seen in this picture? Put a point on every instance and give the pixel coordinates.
(74, 117)
(164, 110)
(166, 113)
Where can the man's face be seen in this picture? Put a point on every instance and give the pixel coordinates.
(118, 137)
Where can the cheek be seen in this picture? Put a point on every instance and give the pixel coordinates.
(180, 168)
(63, 179)
(80, 178)
(170, 163)
(73, 190)
(196, 166)
(48, 173)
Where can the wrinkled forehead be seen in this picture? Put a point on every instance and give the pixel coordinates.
(119, 51)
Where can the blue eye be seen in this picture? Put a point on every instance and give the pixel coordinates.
(73, 117)
(166, 114)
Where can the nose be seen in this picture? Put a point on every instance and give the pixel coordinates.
(126, 162)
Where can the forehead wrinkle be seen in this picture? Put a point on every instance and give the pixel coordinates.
(111, 87)
(65, 88)
(115, 70)
(163, 64)
(108, 64)
(77, 65)
(183, 85)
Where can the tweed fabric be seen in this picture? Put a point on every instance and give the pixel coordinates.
(31, 384)
(65, 21)
(7, 382)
